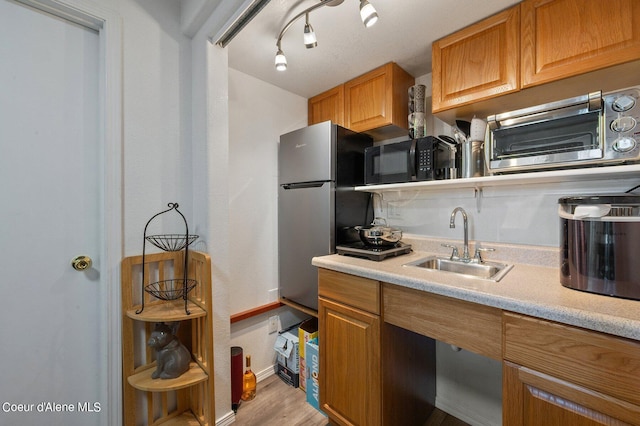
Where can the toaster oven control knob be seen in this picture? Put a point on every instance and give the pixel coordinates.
(624, 144)
(623, 124)
(623, 103)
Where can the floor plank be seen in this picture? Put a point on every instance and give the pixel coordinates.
(440, 418)
(278, 404)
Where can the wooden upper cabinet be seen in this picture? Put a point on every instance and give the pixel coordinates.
(563, 38)
(328, 105)
(378, 98)
(478, 62)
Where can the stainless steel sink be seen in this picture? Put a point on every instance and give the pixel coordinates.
(486, 270)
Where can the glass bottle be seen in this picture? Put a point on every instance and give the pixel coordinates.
(248, 382)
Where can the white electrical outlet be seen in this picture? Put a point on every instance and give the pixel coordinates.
(273, 324)
(393, 211)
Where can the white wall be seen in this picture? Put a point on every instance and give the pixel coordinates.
(157, 106)
(258, 114)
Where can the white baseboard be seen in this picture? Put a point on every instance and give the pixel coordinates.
(227, 419)
(455, 409)
(230, 417)
(267, 372)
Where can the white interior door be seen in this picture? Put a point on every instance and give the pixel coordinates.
(54, 360)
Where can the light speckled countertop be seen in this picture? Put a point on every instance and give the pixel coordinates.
(531, 288)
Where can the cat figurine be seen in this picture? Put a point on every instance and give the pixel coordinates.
(172, 357)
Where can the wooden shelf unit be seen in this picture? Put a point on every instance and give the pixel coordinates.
(144, 382)
(188, 399)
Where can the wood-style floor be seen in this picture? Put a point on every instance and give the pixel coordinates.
(278, 404)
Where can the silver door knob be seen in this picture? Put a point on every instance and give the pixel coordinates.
(80, 263)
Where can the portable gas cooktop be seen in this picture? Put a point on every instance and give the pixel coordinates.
(360, 249)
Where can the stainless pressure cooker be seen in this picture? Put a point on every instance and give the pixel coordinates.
(599, 244)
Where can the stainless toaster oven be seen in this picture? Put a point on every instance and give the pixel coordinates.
(589, 130)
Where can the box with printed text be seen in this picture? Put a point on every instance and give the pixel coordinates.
(288, 362)
(307, 331)
(313, 367)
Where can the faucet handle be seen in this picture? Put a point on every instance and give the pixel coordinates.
(454, 253)
(477, 257)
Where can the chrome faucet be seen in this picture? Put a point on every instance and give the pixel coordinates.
(452, 224)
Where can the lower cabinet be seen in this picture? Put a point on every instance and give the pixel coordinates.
(351, 362)
(350, 382)
(555, 374)
(377, 363)
(371, 373)
(532, 398)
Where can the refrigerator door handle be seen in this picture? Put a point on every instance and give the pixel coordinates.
(315, 184)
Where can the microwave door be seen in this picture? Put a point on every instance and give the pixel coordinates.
(391, 163)
(554, 141)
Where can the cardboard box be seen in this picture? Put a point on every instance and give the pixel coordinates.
(313, 367)
(288, 361)
(288, 376)
(308, 330)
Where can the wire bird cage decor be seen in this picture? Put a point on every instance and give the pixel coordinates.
(176, 288)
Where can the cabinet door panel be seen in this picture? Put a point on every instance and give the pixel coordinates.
(478, 62)
(562, 38)
(327, 106)
(535, 399)
(367, 100)
(377, 99)
(350, 380)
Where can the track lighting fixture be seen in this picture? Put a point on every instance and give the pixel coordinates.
(310, 40)
(368, 15)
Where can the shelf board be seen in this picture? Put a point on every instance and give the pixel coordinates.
(166, 311)
(530, 178)
(144, 382)
(184, 419)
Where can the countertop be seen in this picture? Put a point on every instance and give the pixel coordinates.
(531, 288)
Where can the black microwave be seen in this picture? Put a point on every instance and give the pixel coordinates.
(420, 159)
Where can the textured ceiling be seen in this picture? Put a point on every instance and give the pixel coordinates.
(346, 49)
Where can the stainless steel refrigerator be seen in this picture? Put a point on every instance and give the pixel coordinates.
(318, 168)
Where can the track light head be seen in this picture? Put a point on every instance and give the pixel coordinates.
(368, 13)
(281, 61)
(310, 40)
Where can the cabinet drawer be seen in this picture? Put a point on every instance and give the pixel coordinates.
(471, 326)
(361, 293)
(598, 361)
